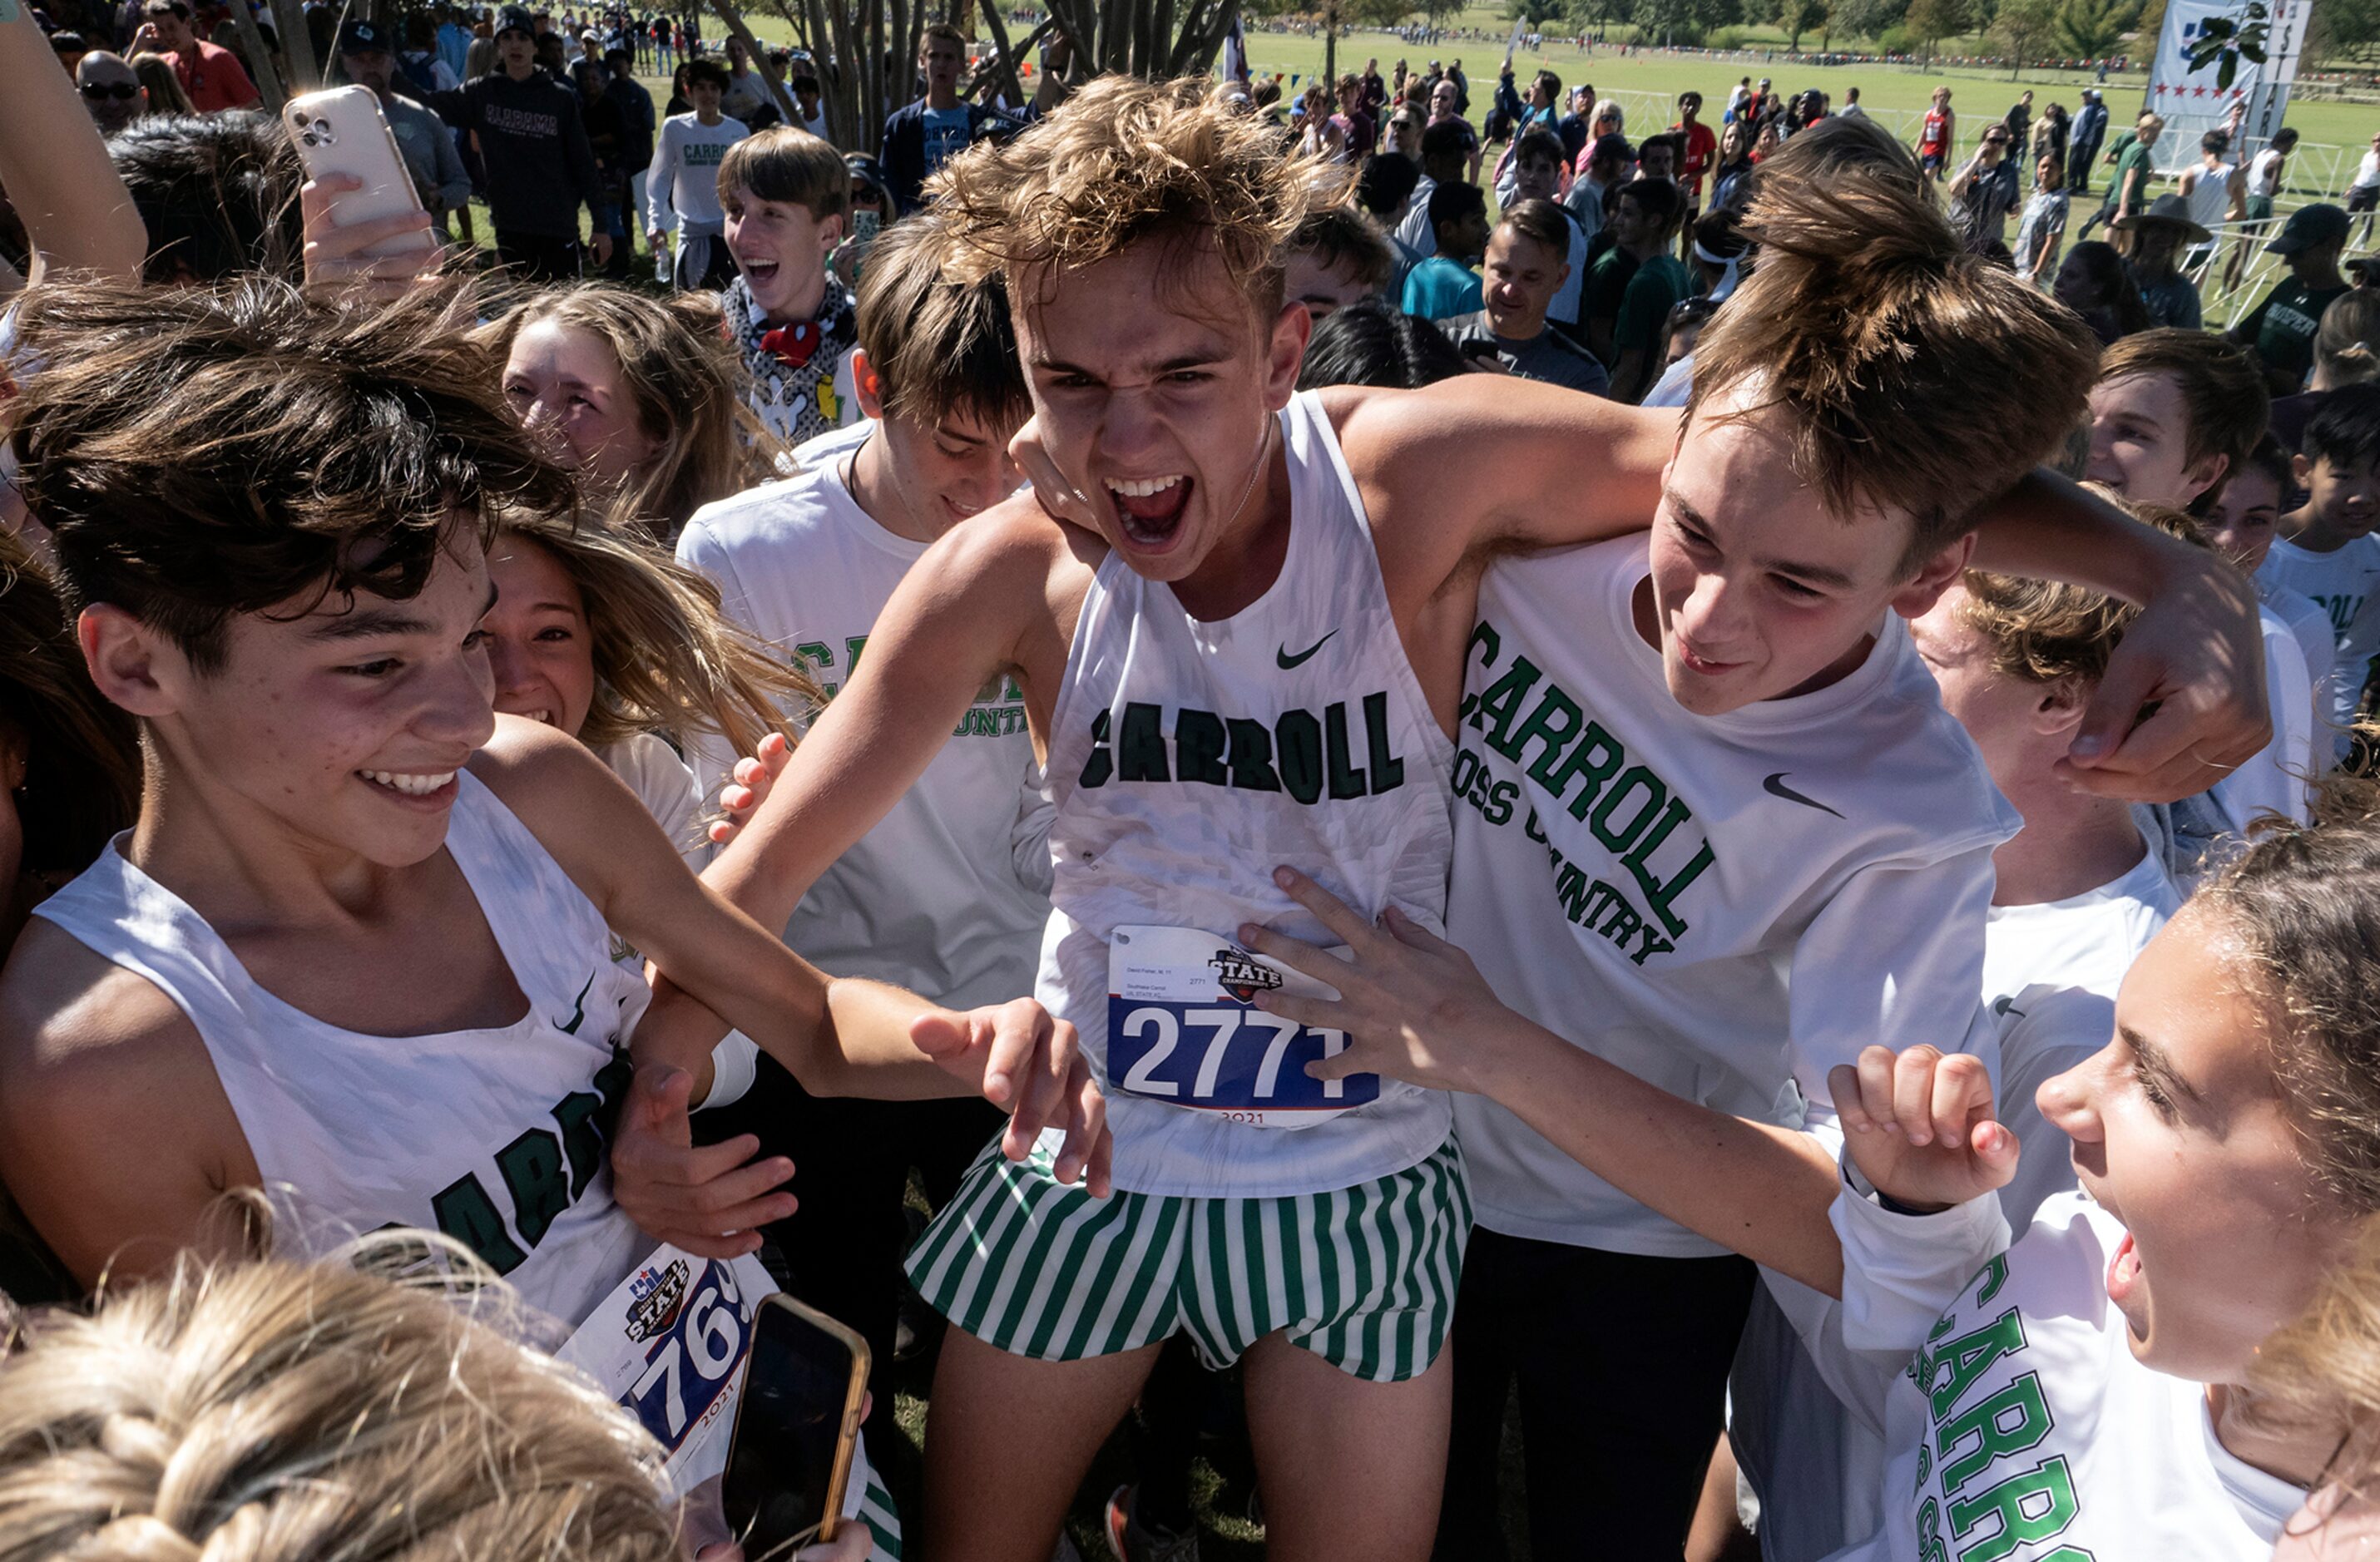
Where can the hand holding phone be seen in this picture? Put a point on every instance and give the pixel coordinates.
(796, 1425)
(364, 220)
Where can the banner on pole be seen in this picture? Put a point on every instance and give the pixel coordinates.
(2192, 101)
(2270, 102)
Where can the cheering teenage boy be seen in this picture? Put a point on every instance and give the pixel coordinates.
(1240, 629)
(357, 950)
(1713, 824)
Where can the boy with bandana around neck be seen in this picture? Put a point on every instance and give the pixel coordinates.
(784, 193)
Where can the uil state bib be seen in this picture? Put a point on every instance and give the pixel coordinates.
(1182, 1026)
(669, 1344)
(1188, 758)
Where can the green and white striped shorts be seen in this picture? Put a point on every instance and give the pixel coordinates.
(883, 1521)
(1363, 1276)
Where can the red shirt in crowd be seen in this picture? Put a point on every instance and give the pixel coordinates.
(214, 78)
(1702, 146)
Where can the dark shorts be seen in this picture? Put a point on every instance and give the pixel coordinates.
(1621, 1362)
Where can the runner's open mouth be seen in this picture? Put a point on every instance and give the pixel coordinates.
(1150, 509)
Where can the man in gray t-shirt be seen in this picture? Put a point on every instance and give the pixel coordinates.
(1526, 264)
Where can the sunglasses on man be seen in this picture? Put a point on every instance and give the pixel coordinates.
(122, 92)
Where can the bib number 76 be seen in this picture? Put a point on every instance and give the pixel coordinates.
(691, 1366)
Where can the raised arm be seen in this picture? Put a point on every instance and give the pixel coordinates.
(2182, 703)
(1543, 467)
(994, 595)
(77, 212)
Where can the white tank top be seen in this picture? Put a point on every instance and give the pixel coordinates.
(494, 1136)
(1187, 760)
(2210, 198)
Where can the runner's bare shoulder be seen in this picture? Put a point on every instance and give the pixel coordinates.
(1030, 568)
(115, 1134)
(70, 1017)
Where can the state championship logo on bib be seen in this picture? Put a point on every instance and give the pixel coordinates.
(657, 1295)
(1182, 1029)
(669, 1344)
(1243, 974)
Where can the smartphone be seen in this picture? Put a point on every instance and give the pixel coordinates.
(797, 1423)
(343, 131)
(865, 226)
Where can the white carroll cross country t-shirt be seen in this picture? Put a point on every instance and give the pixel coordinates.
(2345, 584)
(683, 181)
(1725, 906)
(2021, 1427)
(930, 898)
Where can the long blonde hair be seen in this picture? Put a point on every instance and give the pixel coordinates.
(682, 376)
(165, 94)
(272, 1411)
(665, 658)
(2323, 1370)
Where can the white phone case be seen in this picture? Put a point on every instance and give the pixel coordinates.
(343, 131)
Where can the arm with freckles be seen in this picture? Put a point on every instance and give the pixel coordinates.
(1543, 467)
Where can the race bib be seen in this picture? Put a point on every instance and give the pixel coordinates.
(669, 1343)
(1183, 1028)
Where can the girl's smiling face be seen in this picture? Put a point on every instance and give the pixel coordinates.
(564, 383)
(2180, 1130)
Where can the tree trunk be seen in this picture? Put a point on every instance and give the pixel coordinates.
(297, 44)
(1002, 73)
(268, 71)
(1331, 48)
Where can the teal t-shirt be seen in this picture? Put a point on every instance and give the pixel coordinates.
(1607, 276)
(2283, 326)
(946, 135)
(1441, 288)
(2136, 156)
(1656, 288)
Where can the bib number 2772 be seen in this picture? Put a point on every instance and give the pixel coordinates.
(1182, 1028)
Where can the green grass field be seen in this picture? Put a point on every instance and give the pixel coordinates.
(1647, 83)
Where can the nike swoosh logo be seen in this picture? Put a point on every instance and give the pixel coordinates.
(1775, 786)
(577, 1016)
(1288, 661)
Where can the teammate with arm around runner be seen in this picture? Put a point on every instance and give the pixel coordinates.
(1244, 634)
